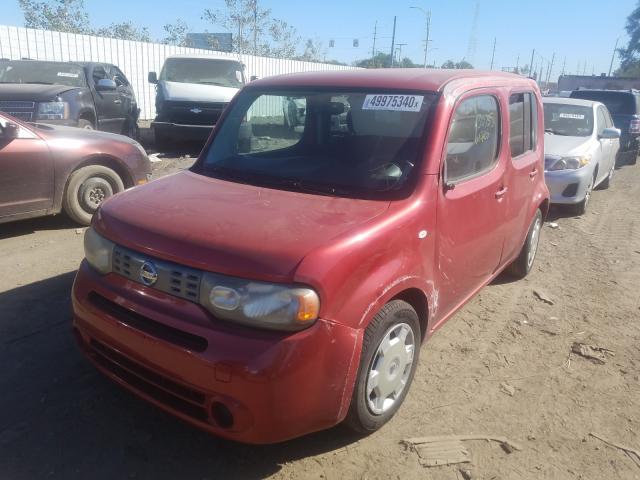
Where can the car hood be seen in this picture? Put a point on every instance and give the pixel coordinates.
(59, 132)
(227, 227)
(562, 145)
(31, 92)
(195, 92)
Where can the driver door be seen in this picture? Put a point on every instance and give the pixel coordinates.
(26, 181)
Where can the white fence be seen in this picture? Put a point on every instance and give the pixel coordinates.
(135, 59)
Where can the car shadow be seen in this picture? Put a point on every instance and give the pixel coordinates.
(32, 225)
(60, 418)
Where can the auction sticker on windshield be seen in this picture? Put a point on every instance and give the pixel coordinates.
(400, 103)
(68, 74)
(573, 116)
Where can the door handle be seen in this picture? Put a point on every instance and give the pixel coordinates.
(117, 101)
(500, 193)
(533, 173)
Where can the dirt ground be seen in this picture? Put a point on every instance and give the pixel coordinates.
(60, 419)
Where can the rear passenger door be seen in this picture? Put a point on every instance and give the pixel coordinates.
(608, 145)
(525, 167)
(471, 202)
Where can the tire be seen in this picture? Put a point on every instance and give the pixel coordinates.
(162, 143)
(606, 183)
(368, 412)
(522, 265)
(86, 189)
(86, 124)
(581, 208)
(131, 129)
(633, 158)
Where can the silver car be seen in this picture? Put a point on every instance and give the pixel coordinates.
(580, 146)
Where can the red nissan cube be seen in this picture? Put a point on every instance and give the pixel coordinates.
(286, 282)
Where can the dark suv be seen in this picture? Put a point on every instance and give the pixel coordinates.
(86, 95)
(624, 106)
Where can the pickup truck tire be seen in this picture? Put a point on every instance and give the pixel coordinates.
(390, 351)
(522, 265)
(86, 124)
(86, 189)
(633, 158)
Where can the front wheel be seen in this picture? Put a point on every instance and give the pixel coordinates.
(86, 124)
(522, 265)
(86, 189)
(390, 351)
(581, 208)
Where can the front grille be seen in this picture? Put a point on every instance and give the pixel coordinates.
(174, 395)
(19, 109)
(172, 278)
(144, 324)
(190, 113)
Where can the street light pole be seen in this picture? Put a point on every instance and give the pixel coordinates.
(427, 14)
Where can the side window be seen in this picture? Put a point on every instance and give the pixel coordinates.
(99, 73)
(472, 148)
(602, 122)
(520, 123)
(534, 121)
(118, 77)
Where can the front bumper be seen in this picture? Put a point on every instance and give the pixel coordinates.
(244, 384)
(181, 131)
(568, 186)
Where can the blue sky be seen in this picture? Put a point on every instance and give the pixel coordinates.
(583, 31)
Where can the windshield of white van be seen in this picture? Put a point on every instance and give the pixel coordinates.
(46, 73)
(222, 73)
(360, 144)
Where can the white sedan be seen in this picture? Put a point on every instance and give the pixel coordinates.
(580, 149)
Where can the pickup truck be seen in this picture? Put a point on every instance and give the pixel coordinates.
(191, 93)
(94, 96)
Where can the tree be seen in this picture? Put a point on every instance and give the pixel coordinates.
(60, 15)
(176, 34)
(456, 65)
(254, 29)
(630, 64)
(313, 51)
(124, 31)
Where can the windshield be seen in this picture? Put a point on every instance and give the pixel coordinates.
(360, 144)
(618, 103)
(569, 120)
(48, 73)
(223, 73)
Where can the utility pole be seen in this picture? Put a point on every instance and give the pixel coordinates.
(375, 33)
(533, 54)
(393, 40)
(426, 43)
(564, 64)
(613, 56)
(427, 14)
(517, 64)
(493, 55)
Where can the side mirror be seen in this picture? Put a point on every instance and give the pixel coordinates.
(10, 131)
(104, 84)
(253, 77)
(152, 77)
(610, 133)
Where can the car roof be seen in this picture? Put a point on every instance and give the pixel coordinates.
(205, 57)
(405, 78)
(571, 101)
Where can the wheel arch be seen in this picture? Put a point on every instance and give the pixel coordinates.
(418, 300)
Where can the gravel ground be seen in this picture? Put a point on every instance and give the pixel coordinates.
(502, 366)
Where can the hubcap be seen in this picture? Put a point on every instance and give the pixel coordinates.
(587, 195)
(96, 196)
(533, 242)
(390, 368)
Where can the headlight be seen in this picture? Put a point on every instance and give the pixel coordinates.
(259, 304)
(53, 111)
(570, 163)
(98, 251)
